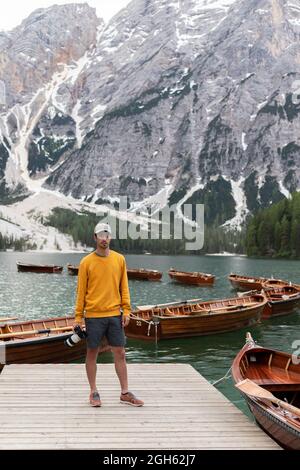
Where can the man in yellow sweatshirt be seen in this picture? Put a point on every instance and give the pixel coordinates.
(102, 293)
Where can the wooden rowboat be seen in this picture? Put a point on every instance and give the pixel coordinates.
(246, 282)
(193, 278)
(72, 270)
(270, 383)
(281, 301)
(40, 341)
(195, 319)
(270, 283)
(39, 268)
(144, 274)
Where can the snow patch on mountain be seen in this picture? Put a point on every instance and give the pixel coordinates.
(27, 117)
(156, 202)
(180, 205)
(78, 119)
(244, 145)
(23, 221)
(283, 190)
(241, 204)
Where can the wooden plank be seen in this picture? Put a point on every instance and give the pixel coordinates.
(40, 407)
(127, 426)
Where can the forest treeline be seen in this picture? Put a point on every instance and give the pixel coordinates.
(275, 231)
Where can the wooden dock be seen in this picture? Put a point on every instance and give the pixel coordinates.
(45, 407)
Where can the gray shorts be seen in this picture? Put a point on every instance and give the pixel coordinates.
(111, 327)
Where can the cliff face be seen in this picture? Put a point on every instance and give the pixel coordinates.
(36, 58)
(172, 101)
(46, 40)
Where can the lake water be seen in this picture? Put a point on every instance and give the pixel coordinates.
(30, 295)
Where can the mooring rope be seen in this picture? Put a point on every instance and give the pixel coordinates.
(150, 323)
(225, 377)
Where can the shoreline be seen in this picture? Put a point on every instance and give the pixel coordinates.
(225, 253)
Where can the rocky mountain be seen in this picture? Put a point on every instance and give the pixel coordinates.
(171, 102)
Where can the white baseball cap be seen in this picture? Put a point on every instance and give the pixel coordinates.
(101, 227)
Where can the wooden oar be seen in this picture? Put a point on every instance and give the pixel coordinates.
(8, 318)
(169, 304)
(248, 293)
(204, 308)
(35, 332)
(254, 390)
(231, 307)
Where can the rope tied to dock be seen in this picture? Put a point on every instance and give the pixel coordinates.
(225, 377)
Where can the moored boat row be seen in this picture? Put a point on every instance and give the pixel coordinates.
(238, 282)
(192, 278)
(156, 322)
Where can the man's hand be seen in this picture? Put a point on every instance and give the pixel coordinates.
(125, 320)
(77, 323)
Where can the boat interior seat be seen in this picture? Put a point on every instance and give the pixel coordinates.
(174, 312)
(272, 376)
(5, 329)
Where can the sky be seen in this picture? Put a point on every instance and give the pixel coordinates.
(14, 11)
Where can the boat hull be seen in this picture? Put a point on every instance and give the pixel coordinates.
(246, 284)
(39, 269)
(274, 427)
(192, 280)
(44, 350)
(144, 275)
(281, 307)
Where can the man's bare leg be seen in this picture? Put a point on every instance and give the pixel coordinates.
(121, 370)
(91, 367)
(121, 367)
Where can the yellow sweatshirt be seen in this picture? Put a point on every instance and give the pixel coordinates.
(102, 288)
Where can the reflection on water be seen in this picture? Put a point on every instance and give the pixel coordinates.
(30, 295)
